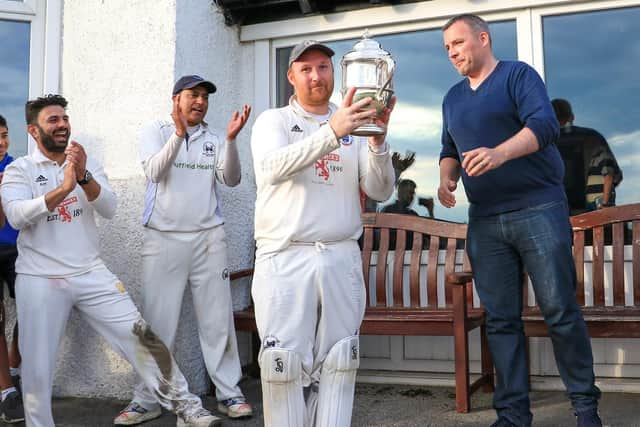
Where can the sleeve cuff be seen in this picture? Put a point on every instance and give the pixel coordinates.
(35, 207)
(379, 149)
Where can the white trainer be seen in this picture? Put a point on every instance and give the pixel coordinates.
(202, 418)
(236, 407)
(134, 414)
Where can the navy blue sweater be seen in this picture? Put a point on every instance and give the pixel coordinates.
(512, 97)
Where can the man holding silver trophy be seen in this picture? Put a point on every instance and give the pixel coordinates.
(308, 285)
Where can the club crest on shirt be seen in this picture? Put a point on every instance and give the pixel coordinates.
(64, 212)
(208, 149)
(346, 140)
(326, 167)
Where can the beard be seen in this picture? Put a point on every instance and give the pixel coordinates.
(49, 143)
(319, 95)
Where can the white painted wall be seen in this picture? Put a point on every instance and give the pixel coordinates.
(119, 61)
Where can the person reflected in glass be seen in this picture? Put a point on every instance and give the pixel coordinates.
(400, 164)
(498, 135)
(406, 196)
(591, 169)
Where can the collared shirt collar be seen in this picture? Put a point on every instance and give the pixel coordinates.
(39, 157)
(201, 128)
(297, 108)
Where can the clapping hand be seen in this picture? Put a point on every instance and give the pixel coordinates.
(178, 117)
(78, 157)
(237, 122)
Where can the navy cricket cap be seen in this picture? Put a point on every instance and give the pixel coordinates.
(304, 46)
(188, 82)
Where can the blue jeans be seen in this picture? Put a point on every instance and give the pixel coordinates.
(538, 239)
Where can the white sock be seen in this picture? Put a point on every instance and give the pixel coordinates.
(14, 371)
(7, 391)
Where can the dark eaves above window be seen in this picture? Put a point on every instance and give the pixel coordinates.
(245, 12)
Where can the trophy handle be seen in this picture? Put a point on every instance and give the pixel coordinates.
(384, 86)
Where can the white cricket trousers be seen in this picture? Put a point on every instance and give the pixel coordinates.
(44, 305)
(307, 298)
(170, 260)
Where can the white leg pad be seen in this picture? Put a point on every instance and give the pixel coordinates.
(337, 384)
(282, 396)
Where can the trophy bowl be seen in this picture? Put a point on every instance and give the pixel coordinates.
(369, 69)
(380, 101)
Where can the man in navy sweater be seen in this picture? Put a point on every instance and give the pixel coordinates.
(498, 134)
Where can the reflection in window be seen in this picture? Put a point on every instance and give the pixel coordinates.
(14, 84)
(601, 85)
(420, 83)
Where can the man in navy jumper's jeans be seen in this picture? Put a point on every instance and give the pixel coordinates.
(498, 134)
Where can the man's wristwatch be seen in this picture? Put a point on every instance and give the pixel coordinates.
(86, 179)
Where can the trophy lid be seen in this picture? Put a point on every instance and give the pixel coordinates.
(366, 48)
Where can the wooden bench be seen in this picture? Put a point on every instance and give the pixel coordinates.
(610, 310)
(610, 303)
(402, 291)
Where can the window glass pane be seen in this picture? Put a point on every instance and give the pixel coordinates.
(14, 84)
(422, 77)
(601, 86)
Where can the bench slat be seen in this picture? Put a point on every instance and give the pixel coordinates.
(578, 256)
(618, 264)
(381, 268)
(398, 268)
(635, 242)
(449, 267)
(432, 273)
(414, 271)
(598, 266)
(367, 249)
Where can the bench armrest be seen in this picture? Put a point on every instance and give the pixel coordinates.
(459, 278)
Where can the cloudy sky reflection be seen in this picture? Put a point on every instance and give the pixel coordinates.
(14, 84)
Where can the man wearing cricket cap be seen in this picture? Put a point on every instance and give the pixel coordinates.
(185, 161)
(308, 287)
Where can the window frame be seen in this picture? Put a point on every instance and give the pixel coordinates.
(45, 36)
(528, 14)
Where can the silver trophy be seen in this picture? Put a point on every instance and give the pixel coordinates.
(370, 69)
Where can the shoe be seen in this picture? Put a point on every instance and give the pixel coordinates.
(589, 418)
(135, 414)
(236, 407)
(11, 409)
(202, 418)
(503, 422)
